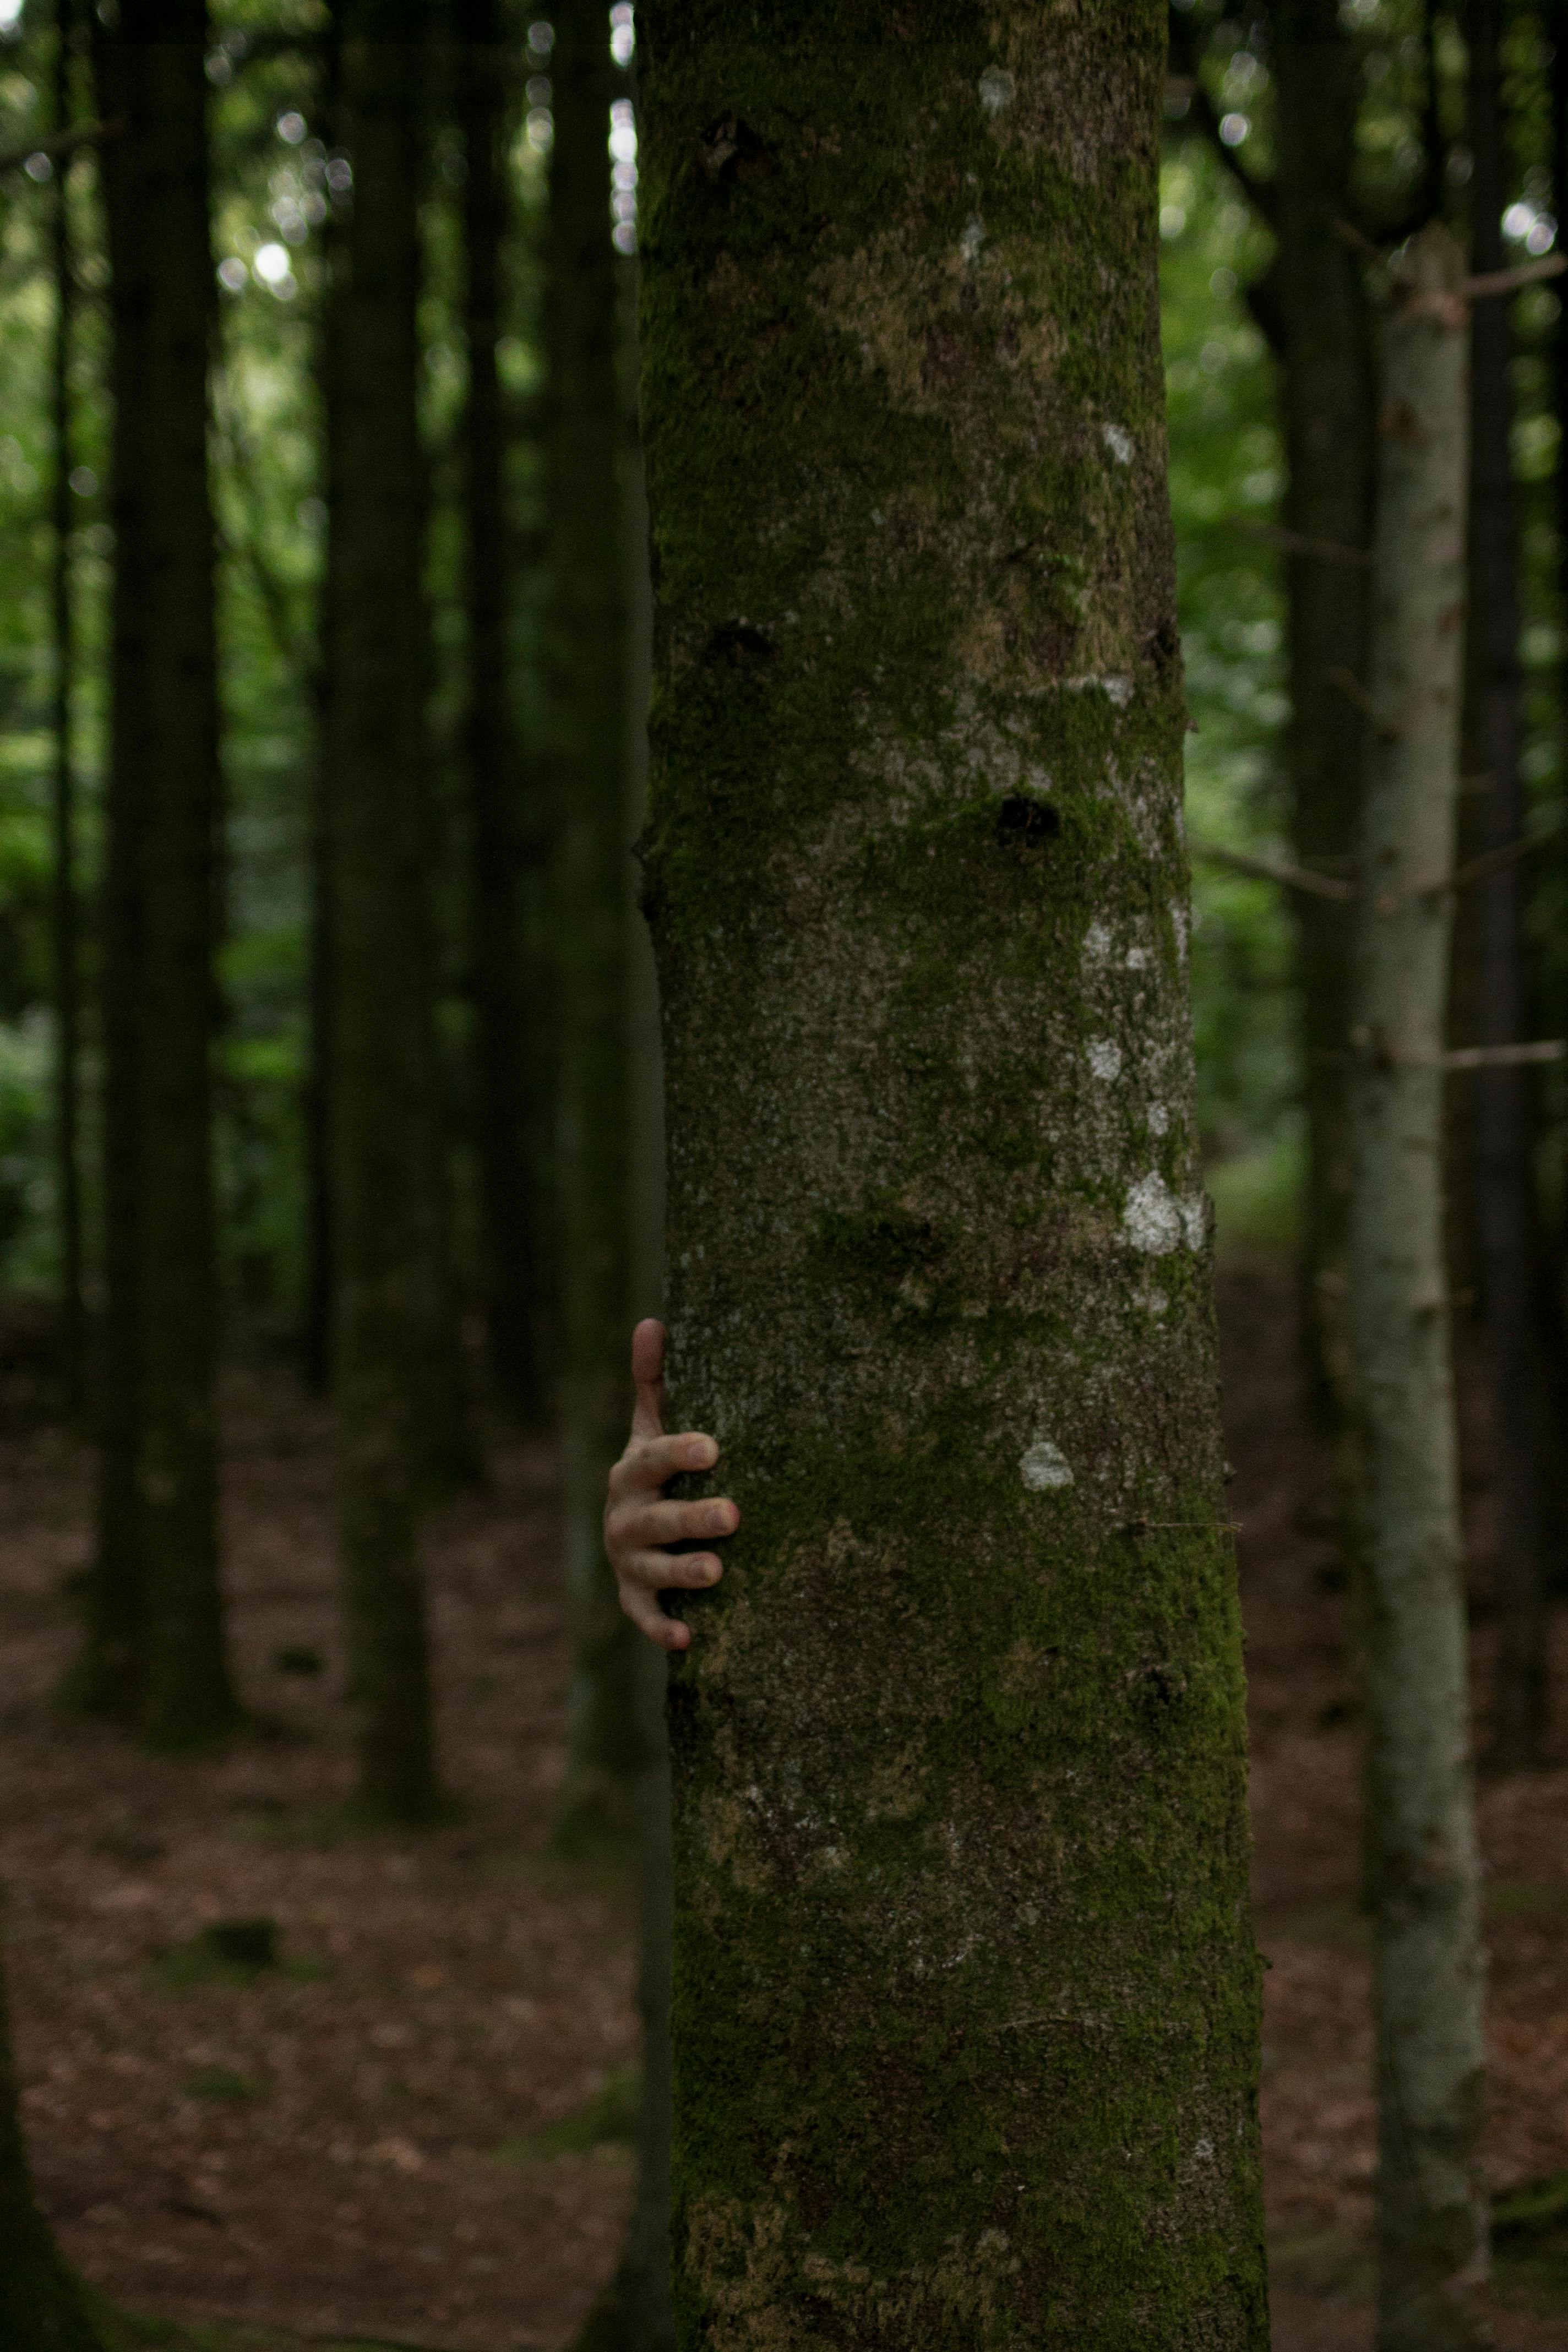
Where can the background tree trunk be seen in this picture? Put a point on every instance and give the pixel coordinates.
(586, 652)
(510, 1220)
(155, 1616)
(378, 877)
(1504, 1184)
(966, 1993)
(1328, 396)
(67, 977)
(42, 2307)
(1431, 2216)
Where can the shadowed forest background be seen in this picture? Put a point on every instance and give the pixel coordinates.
(325, 2016)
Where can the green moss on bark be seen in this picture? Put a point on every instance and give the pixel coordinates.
(966, 1993)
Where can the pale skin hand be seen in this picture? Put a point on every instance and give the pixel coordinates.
(638, 1519)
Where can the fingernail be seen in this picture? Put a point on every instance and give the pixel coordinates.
(703, 1455)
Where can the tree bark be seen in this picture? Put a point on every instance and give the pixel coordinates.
(1432, 2237)
(155, 1610)
(586, 652)
(65, 922)
(965, 1992)
(1329, 402)
(510, 1218)
(380, 1065)
(1504, 1188)
(42, 2305)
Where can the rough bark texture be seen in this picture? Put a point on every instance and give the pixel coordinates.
(965, 1992)
(509, 1221)
(42, 2307)
(67, 977)
(586, 653)
(378, 923)
(155, 1615)
(1329, 406)
(1431, 2215)
(1504, 1187)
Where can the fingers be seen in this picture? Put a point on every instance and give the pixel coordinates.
(642, 1576)
(647, 1372)
(649, 1618)
(638, 1525)
(649, 1463)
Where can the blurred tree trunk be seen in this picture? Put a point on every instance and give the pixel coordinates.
(511, 1224)
(155, 1614)
(1501, 1138)
(1432, 2231)
(67, 977)
(585, 653)
(42, 2307)
(316, 1350)
(633, 2314)
(378, 923)
(1329, 400)
(965, 1992)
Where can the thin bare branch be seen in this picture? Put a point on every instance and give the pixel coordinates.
(1276, 870)
(1296, 542)
(1504, 281)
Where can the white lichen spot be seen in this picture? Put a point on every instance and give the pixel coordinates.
(1159, 1119)
(1118, 690)
(1119, 443)
(1179, 925)
(998, 90)
(973, 238)
(1137, 958)
(1105, 1057)
(1156, 1302)
(1095, 943)
(1203, 2147)
(1156, 1222)
(1044, 1466)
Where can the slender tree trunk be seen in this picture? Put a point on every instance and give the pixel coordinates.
(42, 2305)
(965, 1992)
(155, 1612)
(1432, 2242)
(1328, 397)
(316, 1349)
(68, 1016)
(1505, 1205)
(586, 655)
(378, 877)
(633, 2313)
(510, 1227)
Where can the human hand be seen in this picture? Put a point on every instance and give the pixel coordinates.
(638, 1519)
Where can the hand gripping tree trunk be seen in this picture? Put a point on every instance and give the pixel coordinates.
(965, 1992)
(1431, 2219)
(587, 651)
(154, 1610)
(382, 1067)
(43, 2307)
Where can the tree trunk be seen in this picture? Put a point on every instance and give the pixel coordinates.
(1431, 2217)
(633, 2314)
(1328, 398)
(42, 2305)
(316, 1337)
(68, 1018)
(585, 654)
(1505, 1204)
(508, 1216)
(965, 1992)
(155, 1612)
(378, 877)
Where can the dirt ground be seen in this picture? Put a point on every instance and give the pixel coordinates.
(405, 2128)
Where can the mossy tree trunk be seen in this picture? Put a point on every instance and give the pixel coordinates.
(509, 1214)
(1431, 2216)
(156, 1618)
(1329, 404)
(42, 2307)
(63, 815)
(965, 1992)
(585, 653)
(378, 859)
(1500, 1114)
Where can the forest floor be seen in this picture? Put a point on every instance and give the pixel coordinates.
(410, 2125)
